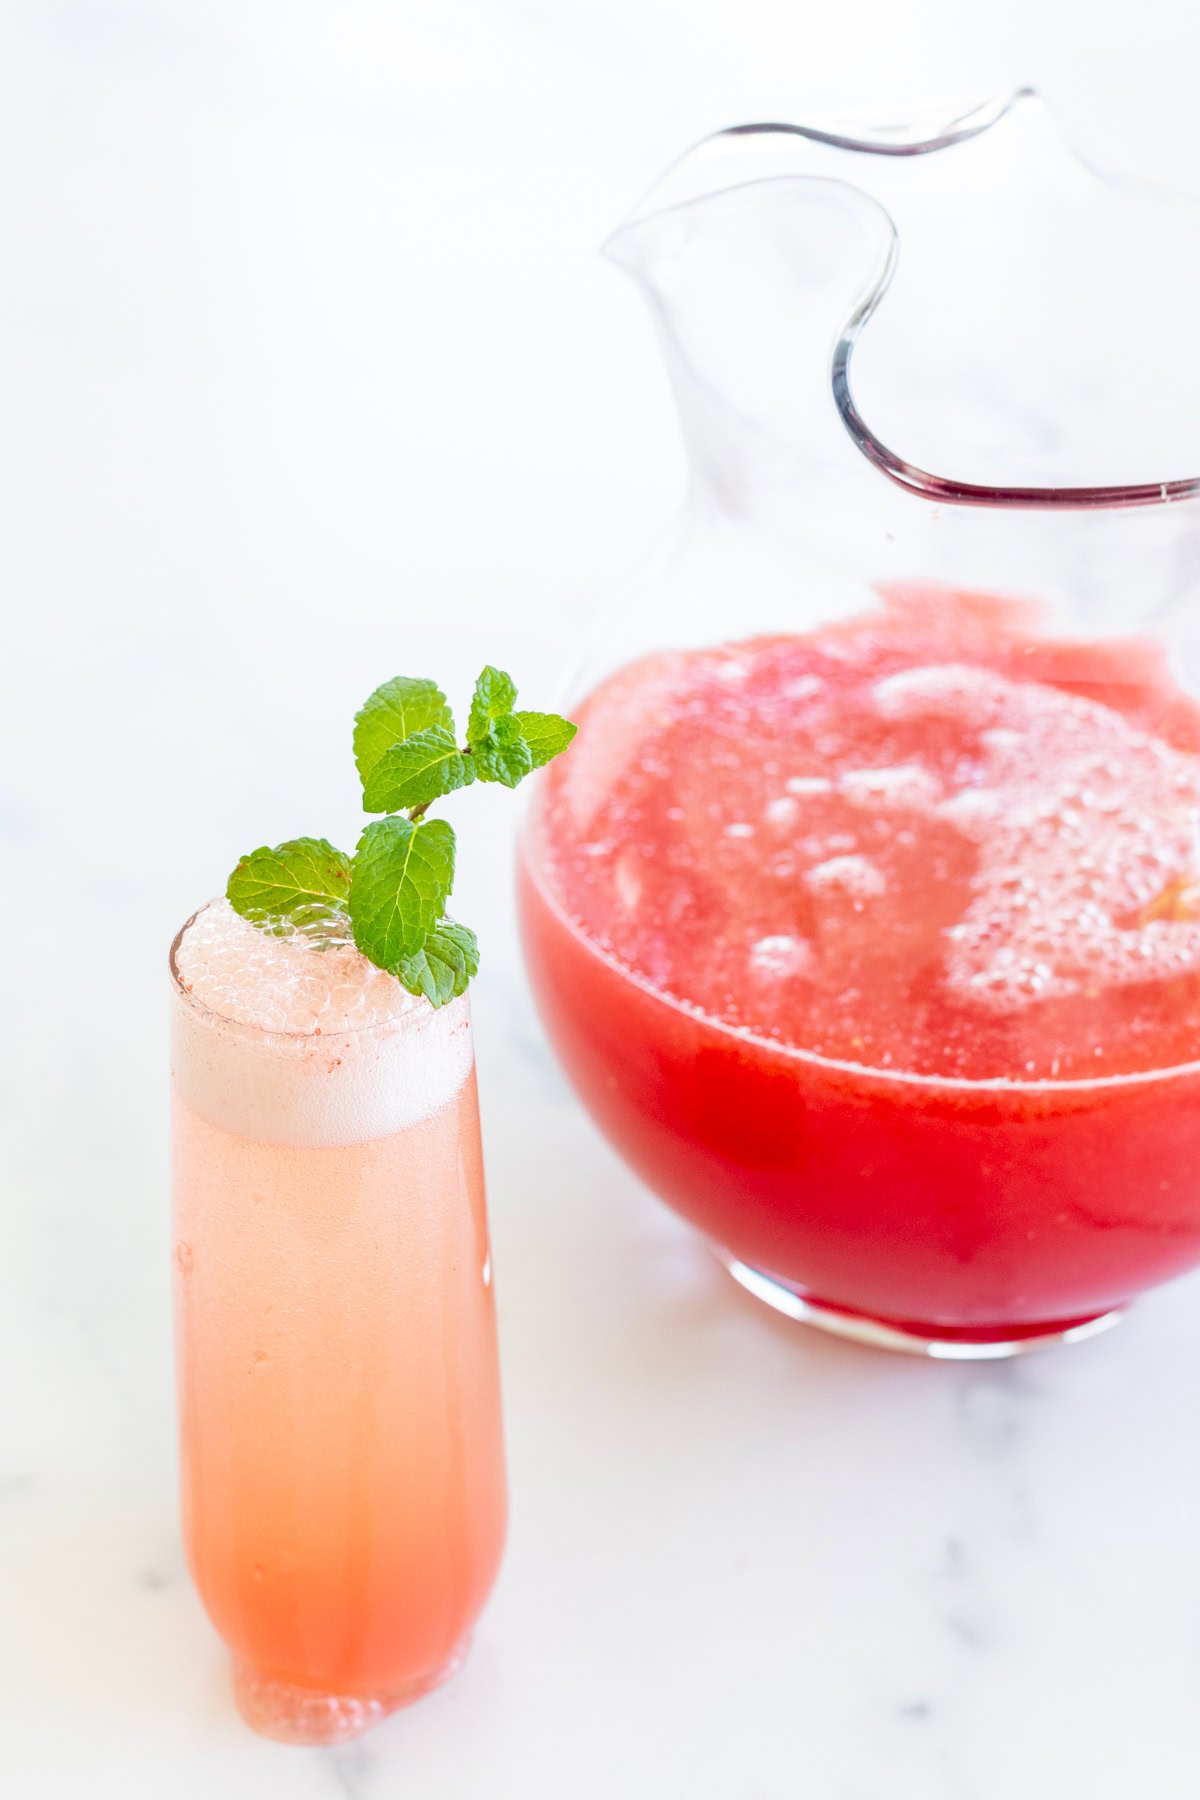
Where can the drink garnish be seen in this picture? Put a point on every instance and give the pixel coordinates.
(391, 895)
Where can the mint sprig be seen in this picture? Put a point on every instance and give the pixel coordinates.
(394, 712)
(443, 965)
(303, 883)
(494, 737)
(417, 770)
(502, 753)
(494, 698)
(391, 896)
(402, 876)
(546, 734)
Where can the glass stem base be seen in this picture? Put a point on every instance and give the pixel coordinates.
(944, 1343)
(300, 1715)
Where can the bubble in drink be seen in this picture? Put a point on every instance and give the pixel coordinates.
(969, 850)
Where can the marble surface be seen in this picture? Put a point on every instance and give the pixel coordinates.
(304, 344)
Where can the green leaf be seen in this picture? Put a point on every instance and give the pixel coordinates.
(403, 873)
(503, 755)
(416, 771)
(443, 965)
(395, 711)
(495, 697)
(546, 734)
(305, 881)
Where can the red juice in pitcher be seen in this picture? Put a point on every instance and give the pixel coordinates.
(876, 951)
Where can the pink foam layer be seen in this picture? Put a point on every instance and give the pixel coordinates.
(281, 1041)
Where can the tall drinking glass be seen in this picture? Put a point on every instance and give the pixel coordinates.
(342, 1462)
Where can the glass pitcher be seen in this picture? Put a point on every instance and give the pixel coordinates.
(864, 912)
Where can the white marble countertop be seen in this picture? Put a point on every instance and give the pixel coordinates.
(304, 344)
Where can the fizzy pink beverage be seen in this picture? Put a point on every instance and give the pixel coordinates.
(876, 949)
(342, 1463)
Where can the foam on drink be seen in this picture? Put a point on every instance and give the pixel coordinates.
(987, 840)
(281, 1039)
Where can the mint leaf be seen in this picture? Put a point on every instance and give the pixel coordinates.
(416, 771)
(395, 711)
(403, 873)
(391, 897)
(442, 967)
(546, 734)
(503, 755)
(495, 696)
(305, 881)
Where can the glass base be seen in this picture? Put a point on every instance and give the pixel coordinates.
(299, 1715)
(945, 1343)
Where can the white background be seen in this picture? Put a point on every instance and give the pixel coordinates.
(310, 373)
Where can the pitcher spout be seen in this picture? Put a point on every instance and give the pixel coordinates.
(747, 286)
(765, 250)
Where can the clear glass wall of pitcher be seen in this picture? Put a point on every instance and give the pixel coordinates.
(865, 912)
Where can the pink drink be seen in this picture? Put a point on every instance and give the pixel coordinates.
(342, 1463)
(877, 952)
